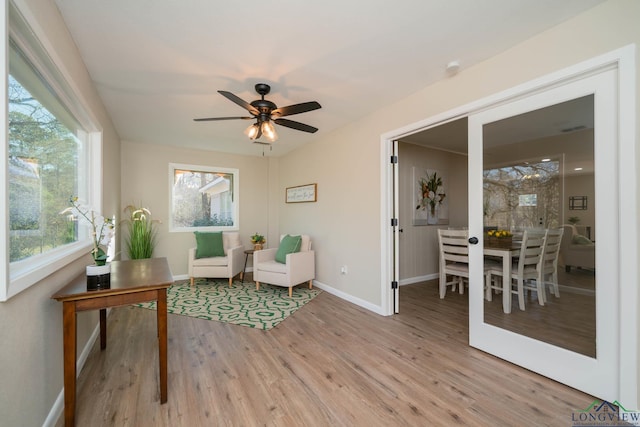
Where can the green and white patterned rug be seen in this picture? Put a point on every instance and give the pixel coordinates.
(240, 304)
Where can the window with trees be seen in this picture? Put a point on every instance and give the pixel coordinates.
(203, 198)
(43, 174)
(52, 152)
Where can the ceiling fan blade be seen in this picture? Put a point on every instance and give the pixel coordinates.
(295, 109)
(241, 102)
(295, 125)
(208, 119)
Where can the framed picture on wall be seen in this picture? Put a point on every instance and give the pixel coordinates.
(430, 202)
(302, 193)
(578, 203)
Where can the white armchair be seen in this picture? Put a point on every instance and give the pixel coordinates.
(227, 266)
(576, 250)
(299, 267)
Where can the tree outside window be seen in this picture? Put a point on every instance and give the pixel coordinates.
(203, 198)
(43, 171)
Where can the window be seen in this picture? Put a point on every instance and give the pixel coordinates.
(203, 198)
(52, 152)
(528, 200)
(43, 174)
(522, 195)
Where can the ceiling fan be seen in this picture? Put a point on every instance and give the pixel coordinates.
(266, 113)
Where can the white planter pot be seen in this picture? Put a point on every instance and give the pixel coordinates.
(98, 277)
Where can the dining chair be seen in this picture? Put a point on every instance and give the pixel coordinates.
(528, 268)
(454, 259)
(550, 255)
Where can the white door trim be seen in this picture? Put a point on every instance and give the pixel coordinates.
(624, 60)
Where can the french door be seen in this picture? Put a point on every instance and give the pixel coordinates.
(586, 110)
(395, 227)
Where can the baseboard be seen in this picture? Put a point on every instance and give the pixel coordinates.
(58, 406)
(350, 298)
(418, 279)
(571, 289)
(366, 304)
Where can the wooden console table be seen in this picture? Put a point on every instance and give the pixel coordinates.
(132, 282)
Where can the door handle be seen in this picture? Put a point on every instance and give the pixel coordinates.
(473, 240)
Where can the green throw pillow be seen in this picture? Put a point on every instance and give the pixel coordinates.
(209, 244)
(288, 245)
(579, 239)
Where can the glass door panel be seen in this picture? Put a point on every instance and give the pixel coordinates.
(541, 163)
(524, 186)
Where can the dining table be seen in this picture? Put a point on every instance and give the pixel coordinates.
(506, 252)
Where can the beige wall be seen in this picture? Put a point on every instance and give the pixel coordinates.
(31, 332)
(145, 182)
(346, 163)
(344, 222)
(419, 243)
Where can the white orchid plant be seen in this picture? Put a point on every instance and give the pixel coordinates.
(102, 229)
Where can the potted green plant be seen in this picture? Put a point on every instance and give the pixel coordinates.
(142, 232)
(258, 241)
(573, 220)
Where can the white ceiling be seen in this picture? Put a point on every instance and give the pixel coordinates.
(565, 117)
(159, 64)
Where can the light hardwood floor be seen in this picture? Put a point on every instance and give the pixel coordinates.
(330, 364)
(568, 322)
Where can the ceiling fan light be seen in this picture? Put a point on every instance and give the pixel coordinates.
(252, 131)
(269, 131)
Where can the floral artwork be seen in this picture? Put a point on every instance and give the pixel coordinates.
(430, 207)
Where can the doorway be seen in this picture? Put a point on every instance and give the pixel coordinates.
(626, 391)
(438, 152)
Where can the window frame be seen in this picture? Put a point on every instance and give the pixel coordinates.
(213, 169)
(30, 39)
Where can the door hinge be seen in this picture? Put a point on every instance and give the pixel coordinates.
(394, 222)
(394, 159)
(394, 285)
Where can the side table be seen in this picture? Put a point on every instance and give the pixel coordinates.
(246, 257)
(132, 281)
